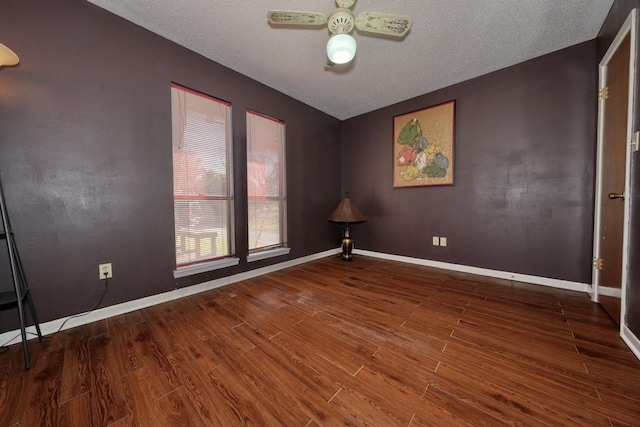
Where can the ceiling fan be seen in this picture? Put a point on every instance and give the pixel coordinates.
(341, 47)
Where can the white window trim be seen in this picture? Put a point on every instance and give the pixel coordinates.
(204, 267)
(258, 254)
(269, 253)
(215, 264)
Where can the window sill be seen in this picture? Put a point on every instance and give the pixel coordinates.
(204, 267)
(269, 253)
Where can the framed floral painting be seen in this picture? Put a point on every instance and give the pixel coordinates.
(423, 146)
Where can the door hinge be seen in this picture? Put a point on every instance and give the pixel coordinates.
(603, 93)
(597, 263)
(635, 141)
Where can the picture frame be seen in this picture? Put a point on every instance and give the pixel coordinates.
(423, 147)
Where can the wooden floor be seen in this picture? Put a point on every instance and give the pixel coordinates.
(330, 343)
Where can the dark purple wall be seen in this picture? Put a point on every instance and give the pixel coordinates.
(85, 155)
(617, 15)
(524, 163)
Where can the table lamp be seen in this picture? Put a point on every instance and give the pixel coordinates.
(347, 213)
(7, 56)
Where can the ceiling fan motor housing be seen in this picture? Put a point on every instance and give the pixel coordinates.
(341, 21)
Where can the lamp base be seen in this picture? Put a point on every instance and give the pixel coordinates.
(347, 247)
(347, 243)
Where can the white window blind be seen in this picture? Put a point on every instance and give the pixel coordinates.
(267, 200)
(202, 177)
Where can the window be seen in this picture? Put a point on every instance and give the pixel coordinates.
(267, 200)
(202, 181)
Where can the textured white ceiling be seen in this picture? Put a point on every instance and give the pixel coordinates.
(450, 41)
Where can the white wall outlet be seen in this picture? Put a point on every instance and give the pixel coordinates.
(436, 241)
(443, 241)
(105, 271)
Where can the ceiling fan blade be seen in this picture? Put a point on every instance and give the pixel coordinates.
(288, 17)
(383, 23)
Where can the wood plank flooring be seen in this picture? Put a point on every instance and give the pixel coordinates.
(329, 343)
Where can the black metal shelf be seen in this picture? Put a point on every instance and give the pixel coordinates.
(10, 297)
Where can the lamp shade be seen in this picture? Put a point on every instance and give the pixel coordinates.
(347, 212)
(341, 48)
(7, 56)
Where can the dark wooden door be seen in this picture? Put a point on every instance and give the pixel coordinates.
(613, 163)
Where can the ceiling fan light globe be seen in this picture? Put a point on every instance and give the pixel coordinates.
(341, 48)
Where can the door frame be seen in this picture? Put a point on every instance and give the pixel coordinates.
(628, 28)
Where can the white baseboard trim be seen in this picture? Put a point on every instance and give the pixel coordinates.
(537, 280)
(12, 337)
(631, 340)
(610, 292)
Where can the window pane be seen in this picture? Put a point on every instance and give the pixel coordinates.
(203, 194)
(201, 230)
(264, 223)
(265, 182)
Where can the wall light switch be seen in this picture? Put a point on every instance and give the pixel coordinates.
(443, 241)
(436, 241)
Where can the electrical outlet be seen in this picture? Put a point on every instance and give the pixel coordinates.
(105, 271)
(443, 241)
(436, 241)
